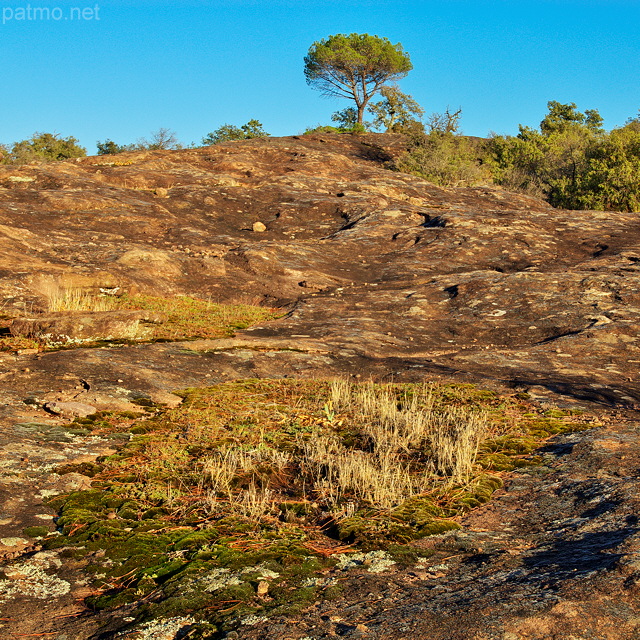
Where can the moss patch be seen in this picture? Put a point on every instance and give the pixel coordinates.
(207, 503)
(36, 531)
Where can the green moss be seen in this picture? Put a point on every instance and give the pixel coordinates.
(482, 487)
(555, 413)
(36, 531)
(154, 512)
(298, 509)
(409, 522)
(141, 428)
(406, 555)
(145, 402)
(287, 600)
(195, 540)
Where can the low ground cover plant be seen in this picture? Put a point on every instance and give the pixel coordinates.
(245, 499)
(180, 317)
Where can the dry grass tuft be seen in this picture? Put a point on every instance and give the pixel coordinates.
(60, 299)
(229, 469)
(404, 443)
(367, 444)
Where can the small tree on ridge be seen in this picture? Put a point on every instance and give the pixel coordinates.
(396, 111)
(355, 66)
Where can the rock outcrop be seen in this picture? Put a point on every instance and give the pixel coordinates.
(375, 263)
(380, 274)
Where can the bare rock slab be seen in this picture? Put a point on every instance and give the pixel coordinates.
(70, 409)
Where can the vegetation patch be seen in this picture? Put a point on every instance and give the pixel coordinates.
(569, 160)
(16, 343)
(177, 318)
(249, 498)
(188, 317)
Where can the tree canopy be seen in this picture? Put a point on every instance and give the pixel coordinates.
(355, 66)
(109, 147)
(45, 146)
(396, 111)
(565, 116)
(253, 129)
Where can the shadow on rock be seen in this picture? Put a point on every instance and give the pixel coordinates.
(568, 559)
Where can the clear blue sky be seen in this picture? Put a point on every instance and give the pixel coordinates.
(192, 65)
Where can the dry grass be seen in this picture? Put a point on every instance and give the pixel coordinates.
(188, 317)
(312, 454)
(254, 502)
(405, 442)
(60, 299)
(222, 469)
(340, 446)
(227, 472)
(340, 475)
(183, 317)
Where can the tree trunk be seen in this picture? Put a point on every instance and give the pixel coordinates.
(361, 112)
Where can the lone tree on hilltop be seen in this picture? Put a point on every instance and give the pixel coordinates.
(355, 66)
(163, 138)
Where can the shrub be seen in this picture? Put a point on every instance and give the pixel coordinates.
(397, 112)
(447, 122)
(571, 161)
(445, 159)
(253, 129)
(47, 147)
(322, 128)
(109, 147)
(161, 139)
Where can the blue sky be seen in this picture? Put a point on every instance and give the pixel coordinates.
(191, 66)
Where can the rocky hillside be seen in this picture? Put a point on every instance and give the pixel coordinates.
(375, 263)
(376, 273)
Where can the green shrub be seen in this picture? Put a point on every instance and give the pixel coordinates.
(109, 147)
(571, 161)
(322, 128)
(253, 129)
(47, 147)
(445, 159)
(397, 112)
